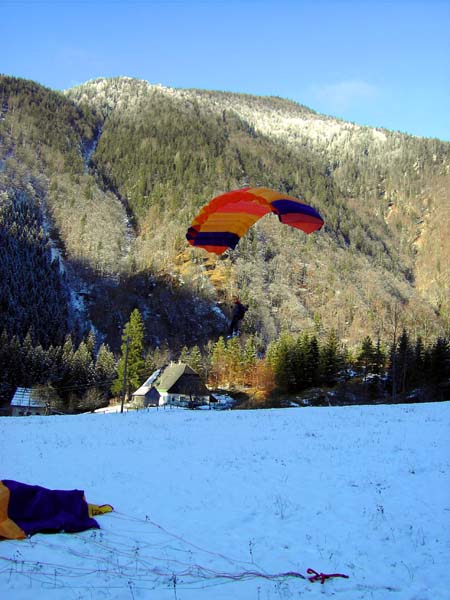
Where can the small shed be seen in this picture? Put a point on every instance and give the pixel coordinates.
(176, 385)
(24, 403)
(147, 394)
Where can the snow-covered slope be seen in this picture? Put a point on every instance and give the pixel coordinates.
(271, 116)
(203, 497)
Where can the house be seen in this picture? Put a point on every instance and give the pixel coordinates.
(25, 403)
(175, 385)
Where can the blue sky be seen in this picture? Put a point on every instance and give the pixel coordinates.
(373, 62)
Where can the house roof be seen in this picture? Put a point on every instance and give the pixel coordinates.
(22, 397)
(172, 374)
(176, 378)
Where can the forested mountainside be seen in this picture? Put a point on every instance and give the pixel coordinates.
(105, 179)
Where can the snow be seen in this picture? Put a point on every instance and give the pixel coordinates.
(212, 504)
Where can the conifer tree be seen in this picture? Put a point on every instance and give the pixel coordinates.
(439, 372)
(161, 356)
(302, 362)
(218, 362)
(418, 366)
(184, 355)
(91, 343)
(404, 361)
(366, 356)
(83, 366)
(195, 360)
(249, 359)
(15, 358)
(233, 360)
(67, 359)
(105, 368)
(132, 355)
(26, 353)
(7, 360)
(330, 359)
(150, 364)
(283, 362)
(314, 361)
(39, 365)
(379, 358)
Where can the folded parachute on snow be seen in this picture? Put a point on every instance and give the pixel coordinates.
(225, 219)
(29, 509)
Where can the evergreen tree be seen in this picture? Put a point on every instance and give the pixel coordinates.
(218, 362)
(195, 360)
(150, 363)
(83, 373)
(249, 359)
(91, 343)
(233, 357)
(161, 356)
(15, 361)
(105, 368)
(184, 355)
(284, 362)
(405, 357)
(302, 366)
(366, 356)
(67, 358)
(26, 366)
(330, 359)
(439, 369)
(132, 356)
(379, 359)
(418, 364)
(8, 362)
(314, 361)
(39, 365)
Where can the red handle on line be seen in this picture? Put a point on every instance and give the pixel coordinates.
(322, 577)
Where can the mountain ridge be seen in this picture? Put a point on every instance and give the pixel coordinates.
(143, 158)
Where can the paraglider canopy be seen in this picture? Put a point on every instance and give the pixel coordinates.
(225, 219)
(28, 509)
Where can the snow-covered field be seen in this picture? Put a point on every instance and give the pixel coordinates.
(216, 504)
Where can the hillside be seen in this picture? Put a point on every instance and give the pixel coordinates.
(117, 169)
(216, 504)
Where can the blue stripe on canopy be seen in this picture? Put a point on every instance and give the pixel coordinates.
(216, 238)
(290, 206)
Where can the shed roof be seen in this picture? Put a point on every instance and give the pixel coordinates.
(147, 385)
(22, 397)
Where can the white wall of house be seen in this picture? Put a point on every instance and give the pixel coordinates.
(21, 411)
(165, 398)
(179, 399)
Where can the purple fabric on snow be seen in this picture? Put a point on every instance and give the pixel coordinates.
(38, 509)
